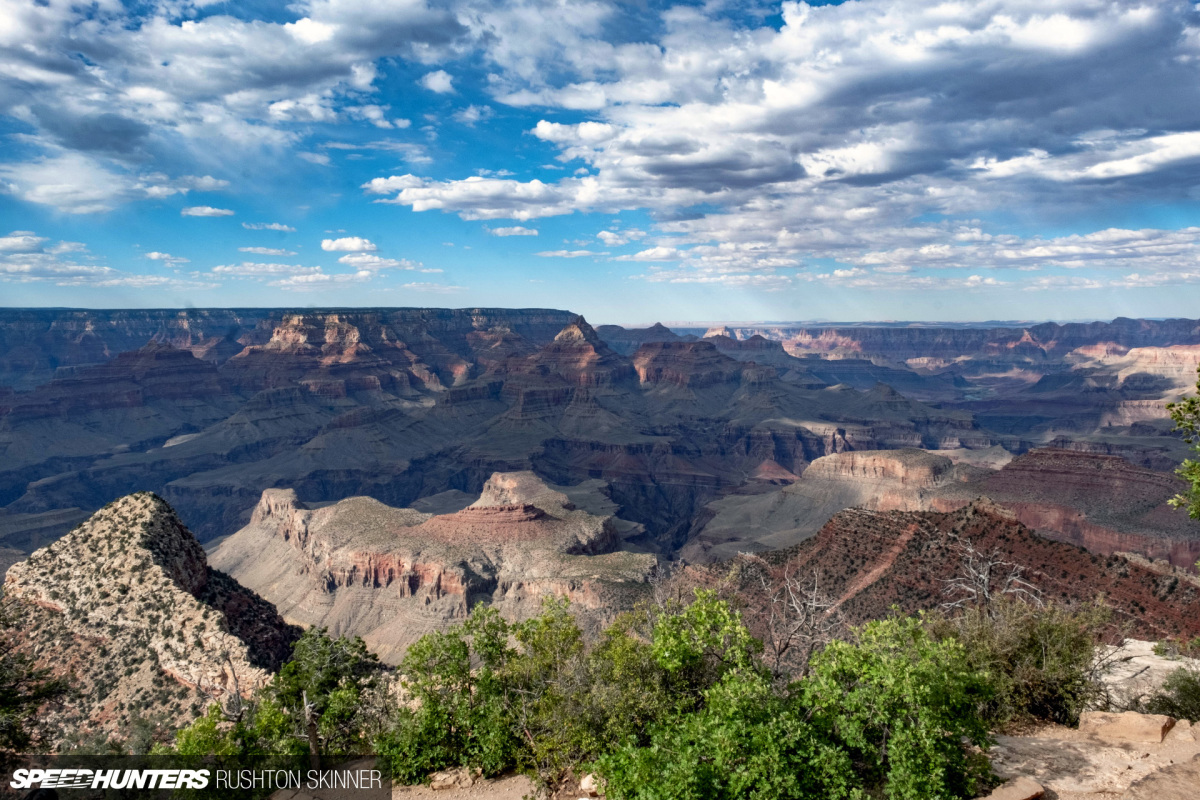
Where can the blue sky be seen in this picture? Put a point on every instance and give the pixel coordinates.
(882, 159)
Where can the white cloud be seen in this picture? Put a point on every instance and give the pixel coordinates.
(472, 114)
(395, 183)
(28, 258)
(317, 280)
(372, 262)
(205, 211)
(825, 137)
(268, 226)
(569, 253)
(166, 258)
(432, 288)
(438, 81)
(350, 244)
(267, 251)
(319, 159)
(514, 230)
(619, 238)
(80, 184)
(249, 269)
(22, 242)
(659, 253)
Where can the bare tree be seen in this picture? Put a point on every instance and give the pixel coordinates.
(229, 699)
(801, 617)
(985, 577)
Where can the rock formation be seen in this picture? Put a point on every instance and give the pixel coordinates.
(127, 606)
(391, 574)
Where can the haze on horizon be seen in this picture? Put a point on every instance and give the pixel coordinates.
(882, 159)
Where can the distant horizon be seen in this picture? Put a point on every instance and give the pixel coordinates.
(672, 324)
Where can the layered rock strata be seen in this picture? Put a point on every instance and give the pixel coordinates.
(390, 574)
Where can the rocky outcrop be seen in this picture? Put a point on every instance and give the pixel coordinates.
(917, 469)
(129, 607)
(901, 342)
(579, 357)
(391, 574)
(135, 379)
(693, 365)
(627, 340)
(35, 342)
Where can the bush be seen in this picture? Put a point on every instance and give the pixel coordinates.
(1040, 660)
(1179, 696)
(551, 703)
(747, 741)
(322, 699)
(902, 704)
(888, 713)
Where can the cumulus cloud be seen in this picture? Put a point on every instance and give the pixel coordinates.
(472, 114)
(619, 238)
(26, 257)
(318, 280)
(22, 242)
(438, 81)
(349, 244)
(512, 230)
(78, 183)
(827, 136)
(205, 211)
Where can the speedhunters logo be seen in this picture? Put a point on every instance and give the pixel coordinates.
(110, 779)
(204, 777)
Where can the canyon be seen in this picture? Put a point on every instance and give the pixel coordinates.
(681, 427)
(189, 488)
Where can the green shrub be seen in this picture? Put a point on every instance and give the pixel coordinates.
(551, 703)
(746, 742)
(1179, 696)
(902, 704)
(327, 680)
(1040, 660)
(889, 713)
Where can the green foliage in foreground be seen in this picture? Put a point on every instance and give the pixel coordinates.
(1040, 661)
(1179, 696)
(676, 703)
(325, 700)
(550, 703)
(1186, 416)
(892, 709)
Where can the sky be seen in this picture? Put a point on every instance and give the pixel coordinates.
(633, 161)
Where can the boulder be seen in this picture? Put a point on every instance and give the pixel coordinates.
(1127, 727)
(590, 785)
(1018, 789)
(460, 778)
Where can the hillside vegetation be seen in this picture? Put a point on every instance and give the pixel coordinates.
(677, 700)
